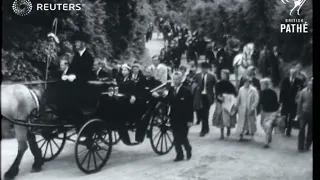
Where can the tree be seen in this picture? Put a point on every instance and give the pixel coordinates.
(115, 28)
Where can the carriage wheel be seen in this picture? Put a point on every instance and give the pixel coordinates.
(161, 138)
(93, 146)
(115, 137)
(51, 143)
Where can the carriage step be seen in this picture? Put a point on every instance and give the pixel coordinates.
(132, 143)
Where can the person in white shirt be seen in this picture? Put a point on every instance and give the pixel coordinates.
(64, 66)
(160, 71)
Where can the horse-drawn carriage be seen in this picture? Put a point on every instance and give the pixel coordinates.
(101, 130)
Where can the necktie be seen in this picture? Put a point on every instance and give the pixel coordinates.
(175, 91)
(203, 82)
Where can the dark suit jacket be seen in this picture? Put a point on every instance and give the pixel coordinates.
(144, 86)
(211, 57)
(211, 82)
(181, 106)
(126, 87)
(81, 66)
(140, 77)
(288, 93)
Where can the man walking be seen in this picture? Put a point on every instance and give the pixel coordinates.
(204, 96)
(288, 93)
(304, 112)
(181, 114)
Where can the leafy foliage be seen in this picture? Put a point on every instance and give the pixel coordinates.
(116, 29)
(252, 21)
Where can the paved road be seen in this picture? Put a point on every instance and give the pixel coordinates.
(212, 159)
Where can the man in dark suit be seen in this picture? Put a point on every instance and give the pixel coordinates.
(288, 93)
(181, 115)
(137, 74)
(304, 114)
(82, 63)
(100, 70)
(143, 95)
(204, 96)
(79, 72)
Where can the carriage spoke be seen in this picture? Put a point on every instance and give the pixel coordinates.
(55, 143)
(40, 140)
(88, 165)
(161, 142)
(43, 144)
(51, 149)
(45, 152)
(165, 141)
(171, 141)
(157, 135)
(94, 160)
(83, 151)
(99, 155)
(158, 141)
(85, 157)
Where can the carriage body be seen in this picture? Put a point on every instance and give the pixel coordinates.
(107, 113)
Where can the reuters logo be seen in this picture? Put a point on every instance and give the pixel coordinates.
(22, 7)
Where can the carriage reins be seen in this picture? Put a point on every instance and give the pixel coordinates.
(35, 98)
(27, 82)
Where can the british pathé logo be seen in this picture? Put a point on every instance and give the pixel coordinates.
(24, 7)
(294, 25)
(297, 4)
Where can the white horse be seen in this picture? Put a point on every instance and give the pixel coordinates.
(17, 103)
(242, 61)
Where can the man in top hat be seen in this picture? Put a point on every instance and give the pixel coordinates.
(79, 72)
(82, 63)
(204, 96)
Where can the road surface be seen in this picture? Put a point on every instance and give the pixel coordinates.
(213, 159)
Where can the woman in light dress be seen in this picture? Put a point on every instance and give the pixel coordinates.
(224, 116)
(247, 102)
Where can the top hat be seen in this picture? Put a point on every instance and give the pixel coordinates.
(81, 36)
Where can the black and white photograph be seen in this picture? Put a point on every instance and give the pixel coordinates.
(157, 90)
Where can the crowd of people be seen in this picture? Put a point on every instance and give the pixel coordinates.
(196, 92)
(179, 40)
